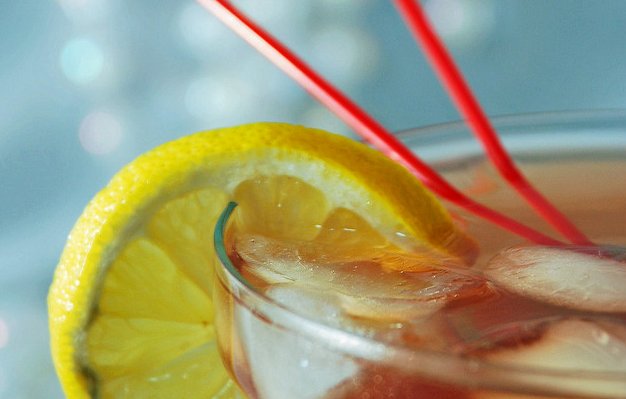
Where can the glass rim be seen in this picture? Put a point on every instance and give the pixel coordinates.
(471, 372)
(545, 118)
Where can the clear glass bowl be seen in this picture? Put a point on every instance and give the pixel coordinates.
(274, 352)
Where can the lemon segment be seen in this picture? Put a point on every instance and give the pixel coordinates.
(194, 375)
(282, 217)
(130, 308)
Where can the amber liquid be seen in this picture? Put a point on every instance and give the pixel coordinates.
(590, 192)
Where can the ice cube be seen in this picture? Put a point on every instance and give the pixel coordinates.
(285, 363)
(314, 304)
(389, 309)
(574, 345)
(363, 287)
(566, 277)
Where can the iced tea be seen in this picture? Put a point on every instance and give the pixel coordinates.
(524, 321)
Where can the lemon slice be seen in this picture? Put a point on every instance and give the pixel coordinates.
(130, 307)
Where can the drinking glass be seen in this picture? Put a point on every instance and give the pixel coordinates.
(577, 159)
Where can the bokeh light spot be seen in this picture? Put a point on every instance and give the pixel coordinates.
(82, 60)
(203, 33)
(349, 54)
(218, 96)
(100, 133)
(461, 23)
(85, 12)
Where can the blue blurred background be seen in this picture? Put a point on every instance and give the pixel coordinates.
(87, 85)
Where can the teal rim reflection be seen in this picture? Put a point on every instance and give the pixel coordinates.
(219, 243)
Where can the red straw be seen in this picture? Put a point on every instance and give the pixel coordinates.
(358, 119)
(478, 122)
